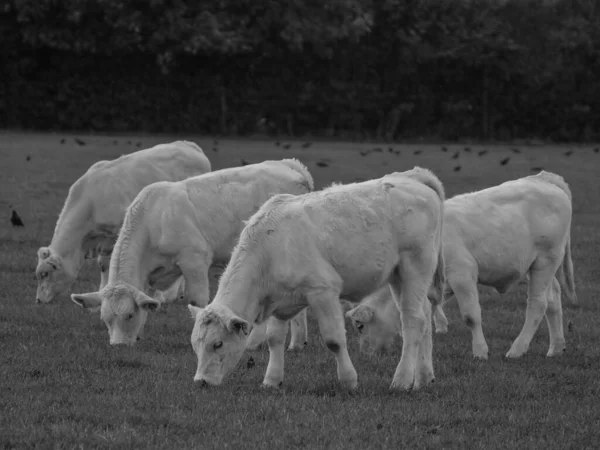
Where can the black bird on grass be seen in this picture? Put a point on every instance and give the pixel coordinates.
(138, 145)
(516, 150)
(596, 150)
(63, 140)
(322, 163)
(537, 169)
(306, 144)
(277, 144)
(482, 152)
(364, 152)
(377, 149)
(287, 146)
(215, 149)
(505, 161)
(16, 220)
(444, 149)
(468, 149)
(79, 141)
(456, 155)
(457, 168)
(28, 158)
(417, 152)
(244, 162)
(391, 150)
(569, 153)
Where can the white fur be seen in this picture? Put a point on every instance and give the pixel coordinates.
(345, 241)
(183, 228)
(495, 237)
(93, 212)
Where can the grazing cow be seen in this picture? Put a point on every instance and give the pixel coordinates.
(348, 241)
(93, 212)
(496, 237)
(184, 228)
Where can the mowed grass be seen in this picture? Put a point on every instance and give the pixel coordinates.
(63, 386)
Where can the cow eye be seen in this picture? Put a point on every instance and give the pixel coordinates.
(359, 327)
(43, 275)
(129, 316)
(217, 345)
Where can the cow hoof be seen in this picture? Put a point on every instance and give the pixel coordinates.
(272, 384)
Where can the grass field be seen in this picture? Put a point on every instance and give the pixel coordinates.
(63, 386)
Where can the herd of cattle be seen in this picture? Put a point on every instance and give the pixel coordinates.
(156, 221)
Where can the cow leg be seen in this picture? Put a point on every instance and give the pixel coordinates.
(424, 374)
(103, 261)
(276, 334)
(554, 319)
(409, 302)
(194, 266)
(328, 311)
(540, 277)
(258, 335)
(464, 287)
(299, 332)
(440, 320)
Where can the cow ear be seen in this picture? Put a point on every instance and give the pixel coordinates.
(88, 300)
(146, 302)
(362, 313)
(237, 325)
(194, 311)
(43, 253)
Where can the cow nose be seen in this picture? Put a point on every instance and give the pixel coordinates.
(201, 383)
(137, 338)
(37, 300)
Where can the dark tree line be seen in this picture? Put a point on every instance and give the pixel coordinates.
(348, 68)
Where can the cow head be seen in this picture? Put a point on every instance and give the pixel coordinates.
(123, 308)
(219, 340)
(376, 328)
(53, 278)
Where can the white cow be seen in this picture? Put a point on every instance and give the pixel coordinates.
(496, 237)
(347, 240)
(94, 209)
(183, 228)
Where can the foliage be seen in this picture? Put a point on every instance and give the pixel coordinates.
(352, 68)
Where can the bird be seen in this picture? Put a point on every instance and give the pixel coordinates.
(322, 163)
(377, 149)
(16, 220)
(504, 161)
(128, 142)
(63, 140)
(444, 149)
(569, 153)
(516, 150)
(277, 144)
(482, 152)
(244, 162)
(468, 149)
(364, 152)
(79, 141)
(456, 155)
(306, 144)
(215, 149)
(457, 169)
(28, 158)
(391, 150)
(417, 152)
(287, 146)
(537, 169)
(250, 364)
(138, 145)
(596, 150)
